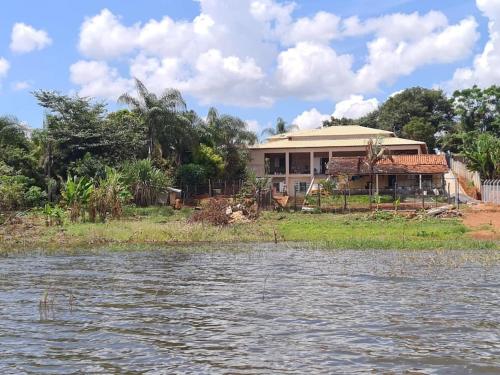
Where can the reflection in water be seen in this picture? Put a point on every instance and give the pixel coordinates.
(265, 310)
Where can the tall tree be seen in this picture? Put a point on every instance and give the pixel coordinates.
(230, 136)
(375, 152)
(159, 112)
(478, 110)
(280, 128)
(15, 147)
(419, 129)
(430, 105)
(75, 127)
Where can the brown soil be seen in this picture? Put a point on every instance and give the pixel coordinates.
(484, 220)
(470, 190)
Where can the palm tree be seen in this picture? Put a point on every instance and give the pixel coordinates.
(374, 153)
(158, 111)
(281, 128)
(229, 135)
(228, 131)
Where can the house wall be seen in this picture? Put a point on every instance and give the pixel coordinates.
(309, 156)
(257, 155)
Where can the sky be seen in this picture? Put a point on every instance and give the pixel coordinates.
(257, 59)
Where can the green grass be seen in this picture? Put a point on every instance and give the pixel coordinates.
(337, 200)
(382, 231)
(143, 228)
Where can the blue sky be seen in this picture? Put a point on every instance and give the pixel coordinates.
(257, 59)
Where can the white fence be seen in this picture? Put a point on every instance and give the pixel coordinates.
(461, 170)
(490, 191)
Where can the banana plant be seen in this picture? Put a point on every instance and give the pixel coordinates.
(76, 194)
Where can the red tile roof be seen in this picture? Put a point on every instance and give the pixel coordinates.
(398, 164)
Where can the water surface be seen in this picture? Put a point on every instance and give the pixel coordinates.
(266, 309)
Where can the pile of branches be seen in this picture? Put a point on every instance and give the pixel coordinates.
(214, 212)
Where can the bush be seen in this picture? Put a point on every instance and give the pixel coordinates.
(53, 214)
(214, 212)
(107, 196)
(145, 181)
(76, 195)
(12, 190)
(35, 197)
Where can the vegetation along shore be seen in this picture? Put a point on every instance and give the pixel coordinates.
(90, 178)
(145, 228)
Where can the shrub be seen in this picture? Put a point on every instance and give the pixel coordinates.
(35, 197)
(53, 214)
(145, 181)
(214, 212)
(76, 195)
(107, 196)
(12, 190)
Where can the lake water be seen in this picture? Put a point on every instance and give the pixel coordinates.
(263, 310)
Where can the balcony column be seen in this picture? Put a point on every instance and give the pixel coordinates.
(311, 160)
(287, 172)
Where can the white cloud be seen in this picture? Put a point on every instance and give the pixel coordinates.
(254, 126)
(355, 107)
(311, 119)
(485, 70)
(315, 71)
(103, 36)
(322, 28)
(96, 78)
(388, 60)
(396, 27)
(26, 38)
(21, 85)
(4, 67)
(255, 52)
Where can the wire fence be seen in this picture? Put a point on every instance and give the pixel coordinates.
(490, 191)
(386, 199)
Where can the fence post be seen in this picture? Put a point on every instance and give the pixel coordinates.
(319, 197)
(295, 197)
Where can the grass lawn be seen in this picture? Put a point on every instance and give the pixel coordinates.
(153, 227)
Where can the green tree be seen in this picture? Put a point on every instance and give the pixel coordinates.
(74, 126)
(420, 130)
(158, 112)
(478, 109)
(16, 148)
(145, 181)
(431, 106)
(483, 155)
(229, 137)
(212, 162)
(374, 153)
(126, 134)
(281, 128)
(333, 121)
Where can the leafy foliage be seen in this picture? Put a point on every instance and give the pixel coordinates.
(483, 155)
(144, 181)
(76, 194)
(281, 128)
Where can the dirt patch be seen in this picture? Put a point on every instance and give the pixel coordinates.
(484, 220)
(469, 189)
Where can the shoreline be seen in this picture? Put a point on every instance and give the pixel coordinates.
(355, 231)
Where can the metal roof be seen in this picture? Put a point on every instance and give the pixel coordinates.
(325, 143)
(345, 130)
